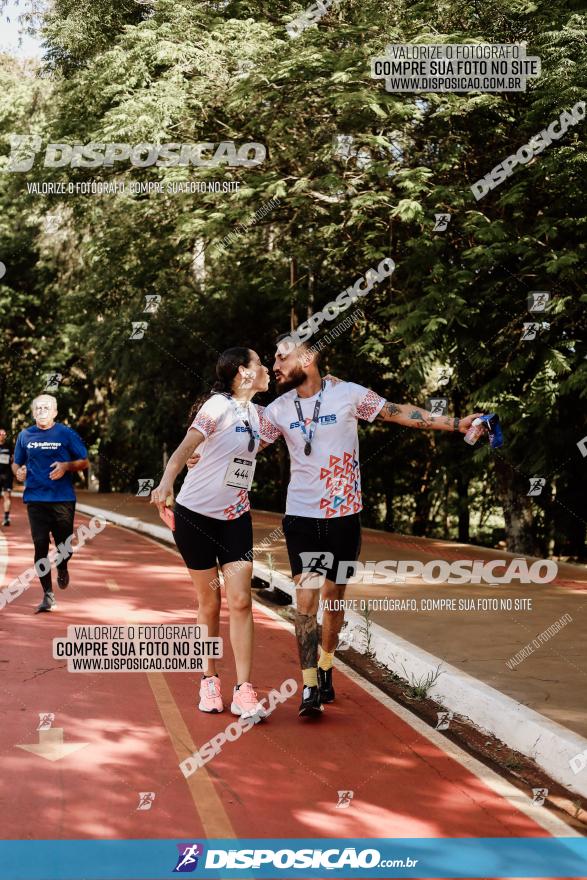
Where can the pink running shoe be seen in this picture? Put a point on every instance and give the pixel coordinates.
(245, 704)
(210, 696)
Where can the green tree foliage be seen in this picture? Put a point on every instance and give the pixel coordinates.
(449, 321)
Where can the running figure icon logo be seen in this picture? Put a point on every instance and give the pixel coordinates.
(530, 331)
(315, 567)
(444, 377)
(344, 799)
(152, 302)
(145, 487)
(146, 799)
(537, 484)
(441, 222)
(23, 149)
(538, 300)
(187, 861)
(138, 329)
(539, 795)
(52, 381)
(444, 719)
(46, 719)
(438, 406)
(342, 147)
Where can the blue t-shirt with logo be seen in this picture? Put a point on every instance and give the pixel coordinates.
(38, 449)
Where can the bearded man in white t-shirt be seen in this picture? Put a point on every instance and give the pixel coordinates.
(319, 422)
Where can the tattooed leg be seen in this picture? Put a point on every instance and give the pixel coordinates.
(307, 635)
(306, 624)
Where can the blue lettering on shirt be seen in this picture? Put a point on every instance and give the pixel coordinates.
(323, 420)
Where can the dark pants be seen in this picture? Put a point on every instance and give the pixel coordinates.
(48, 518)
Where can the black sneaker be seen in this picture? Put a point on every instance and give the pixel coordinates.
(325, 685)
(62, 579)
(311, 703)
(48, 603)
(6, 521)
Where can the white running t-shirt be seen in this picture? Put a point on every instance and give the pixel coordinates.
(203, 489)
(327, 482)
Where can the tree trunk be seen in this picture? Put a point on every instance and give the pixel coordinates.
(445, 507)
(569, 519)
(293, 280)
(389, 523)
(311, 288)
(517, 509)
(549, 522)
(423, 503)
(104, 471)
(463, 508)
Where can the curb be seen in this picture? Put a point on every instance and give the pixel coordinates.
(550, 745)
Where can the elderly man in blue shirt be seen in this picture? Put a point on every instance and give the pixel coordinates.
(45, 456)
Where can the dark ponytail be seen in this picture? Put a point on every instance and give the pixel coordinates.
(226, 369)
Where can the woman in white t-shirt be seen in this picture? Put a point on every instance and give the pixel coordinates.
(211, 520)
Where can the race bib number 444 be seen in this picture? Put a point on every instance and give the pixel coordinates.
(239, 473)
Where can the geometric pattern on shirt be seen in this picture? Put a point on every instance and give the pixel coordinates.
(341, 485)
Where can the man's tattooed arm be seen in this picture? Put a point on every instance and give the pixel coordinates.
(389, 410)
(415, 417)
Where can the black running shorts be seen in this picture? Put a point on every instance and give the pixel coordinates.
(6, 481)
(324, 543)
(205, 542)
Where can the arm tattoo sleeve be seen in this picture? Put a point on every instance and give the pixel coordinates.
(387, 411)
(422, 418)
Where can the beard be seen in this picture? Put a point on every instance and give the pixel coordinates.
(294, 380)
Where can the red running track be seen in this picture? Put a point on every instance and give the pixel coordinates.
(278, 780)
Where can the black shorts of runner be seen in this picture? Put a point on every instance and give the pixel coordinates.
(6, 481)
(324, 544)
(205, 542)
(48, 518)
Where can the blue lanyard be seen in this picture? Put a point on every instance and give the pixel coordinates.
(309, 436)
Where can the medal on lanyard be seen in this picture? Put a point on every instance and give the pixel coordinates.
(309, 437)
(245, 422)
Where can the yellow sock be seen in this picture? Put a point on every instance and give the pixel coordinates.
(310, 677)
(326, 660)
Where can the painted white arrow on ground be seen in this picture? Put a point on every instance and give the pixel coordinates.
(51, 745)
